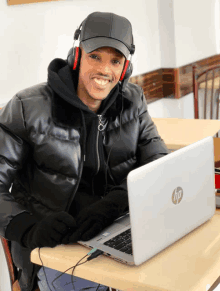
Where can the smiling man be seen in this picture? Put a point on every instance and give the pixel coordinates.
(67, 146)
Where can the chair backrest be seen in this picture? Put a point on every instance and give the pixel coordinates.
(11, 267)
(10, 264)
(207, 83)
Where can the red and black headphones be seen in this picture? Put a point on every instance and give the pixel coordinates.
(74, 56)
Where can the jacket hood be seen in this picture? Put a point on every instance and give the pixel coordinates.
(64, 82)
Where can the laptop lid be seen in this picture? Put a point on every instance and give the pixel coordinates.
(170, 197)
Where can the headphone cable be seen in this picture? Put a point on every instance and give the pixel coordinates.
(94, 253)
(120, 123)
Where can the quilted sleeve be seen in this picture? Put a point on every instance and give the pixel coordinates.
(14, 149)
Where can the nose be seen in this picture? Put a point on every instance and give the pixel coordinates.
(105, 69)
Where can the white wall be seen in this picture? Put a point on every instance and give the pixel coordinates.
(189, 31)
(32, 35)
(5, 282)
(195, 29)
(173, 108)
(167, 33)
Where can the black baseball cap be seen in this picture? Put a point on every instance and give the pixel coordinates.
(103, 29)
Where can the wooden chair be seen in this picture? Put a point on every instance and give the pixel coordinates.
(11, 267)
(207, 82)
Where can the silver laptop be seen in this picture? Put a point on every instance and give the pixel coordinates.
(168, 198)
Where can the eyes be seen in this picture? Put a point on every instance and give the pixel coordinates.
(96, 57)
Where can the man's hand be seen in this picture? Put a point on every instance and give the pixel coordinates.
(93, 219)
(89, 223)
(50, 231)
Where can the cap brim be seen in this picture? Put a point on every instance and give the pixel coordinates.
(92, 44)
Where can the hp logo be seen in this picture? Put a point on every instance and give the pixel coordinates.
(177, 195)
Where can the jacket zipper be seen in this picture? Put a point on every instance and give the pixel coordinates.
(100, 128)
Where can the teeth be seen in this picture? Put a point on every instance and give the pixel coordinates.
(100, 81)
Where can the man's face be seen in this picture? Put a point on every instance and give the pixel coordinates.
(99, 72)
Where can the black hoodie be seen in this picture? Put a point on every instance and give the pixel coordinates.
(64, 81)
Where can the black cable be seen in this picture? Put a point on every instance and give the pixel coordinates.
(88, 288)
(94, 253)
(71, 276)
(77, 264)
(43, 268)
(122, 108)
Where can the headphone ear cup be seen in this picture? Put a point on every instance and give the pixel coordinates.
(70, 58)
(127, 71)
(73, 58)
(76, 58)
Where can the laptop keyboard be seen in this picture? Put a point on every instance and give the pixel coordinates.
(121, 242)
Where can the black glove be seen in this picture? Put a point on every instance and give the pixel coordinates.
(91, 220)
(50, 231)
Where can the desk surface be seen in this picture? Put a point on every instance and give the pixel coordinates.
(209, 84)
(178, 133)
(189, 264)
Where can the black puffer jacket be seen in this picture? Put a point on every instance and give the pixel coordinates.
(43, 149)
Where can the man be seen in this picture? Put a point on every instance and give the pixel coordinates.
(67, 146)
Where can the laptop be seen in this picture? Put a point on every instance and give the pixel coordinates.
(168, 198)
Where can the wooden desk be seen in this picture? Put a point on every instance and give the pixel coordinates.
(178, 133)
(188, 265)
(217, 152)
(209, 84)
